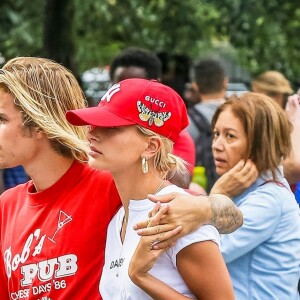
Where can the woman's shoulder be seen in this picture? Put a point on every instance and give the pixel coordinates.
(204, 233)
(172, 188)
(267, 194)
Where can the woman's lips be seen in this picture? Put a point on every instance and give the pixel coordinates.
(94, 151)
(219, 162)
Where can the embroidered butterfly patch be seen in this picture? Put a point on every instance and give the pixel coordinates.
(147, 115)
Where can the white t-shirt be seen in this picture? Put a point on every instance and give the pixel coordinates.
(115, 283)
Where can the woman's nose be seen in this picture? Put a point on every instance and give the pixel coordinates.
(90, 134)
(217, 144)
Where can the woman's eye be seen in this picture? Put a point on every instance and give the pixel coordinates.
(2, 120)
(215, 134)
(230, 136)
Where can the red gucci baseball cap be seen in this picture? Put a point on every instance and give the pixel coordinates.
(136, 101)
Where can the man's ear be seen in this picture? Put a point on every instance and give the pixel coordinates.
(39, 132)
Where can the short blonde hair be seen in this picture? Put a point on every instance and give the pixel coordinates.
(266, 126)
(44, 91)
(164, 161)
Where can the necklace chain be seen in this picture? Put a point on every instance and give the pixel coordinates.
(125, 220)
(159, 187)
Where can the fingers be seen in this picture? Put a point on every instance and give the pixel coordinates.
(141, 225)
(252, 169)
(239, 166)
(168, 237)
(166, 244)
(157, 217)
(293, 100)
(243, 168)
(249, 169)
(154, 230)
(236, 180)
(162, 198)
(154, 210)
(292, 108)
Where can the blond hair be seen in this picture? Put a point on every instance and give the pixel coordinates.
(44, 91)
(164, 161)
(266, 126)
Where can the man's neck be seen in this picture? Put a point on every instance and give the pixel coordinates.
(45, 173)
(212, 97)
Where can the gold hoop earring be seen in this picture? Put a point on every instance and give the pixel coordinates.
(145, 167)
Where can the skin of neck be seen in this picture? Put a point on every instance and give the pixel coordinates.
(134, 185)
(212, 97)
(53, 164)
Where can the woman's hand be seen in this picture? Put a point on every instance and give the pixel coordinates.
(146, 254)
(236, 180)
(292, 109)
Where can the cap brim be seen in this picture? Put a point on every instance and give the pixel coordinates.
(96, 116)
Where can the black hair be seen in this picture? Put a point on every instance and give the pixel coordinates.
(138, 57)
(209, 76)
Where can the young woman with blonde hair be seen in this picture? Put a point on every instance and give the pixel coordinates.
(131, 135)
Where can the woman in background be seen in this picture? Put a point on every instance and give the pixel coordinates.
(263, 255)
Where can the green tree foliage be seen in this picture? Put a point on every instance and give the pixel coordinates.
(258, 35)
(264, 33)
(21, 32)
(159, 25)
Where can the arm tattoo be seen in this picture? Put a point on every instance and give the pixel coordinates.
(226, 217)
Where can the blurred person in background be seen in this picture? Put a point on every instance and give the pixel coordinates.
(190, 95)
(210, 84)
(274, 84)
(263, 255)
(292, 162)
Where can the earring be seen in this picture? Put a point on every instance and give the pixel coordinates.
(145, 167)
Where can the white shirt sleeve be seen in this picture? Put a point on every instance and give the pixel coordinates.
(204, 233)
